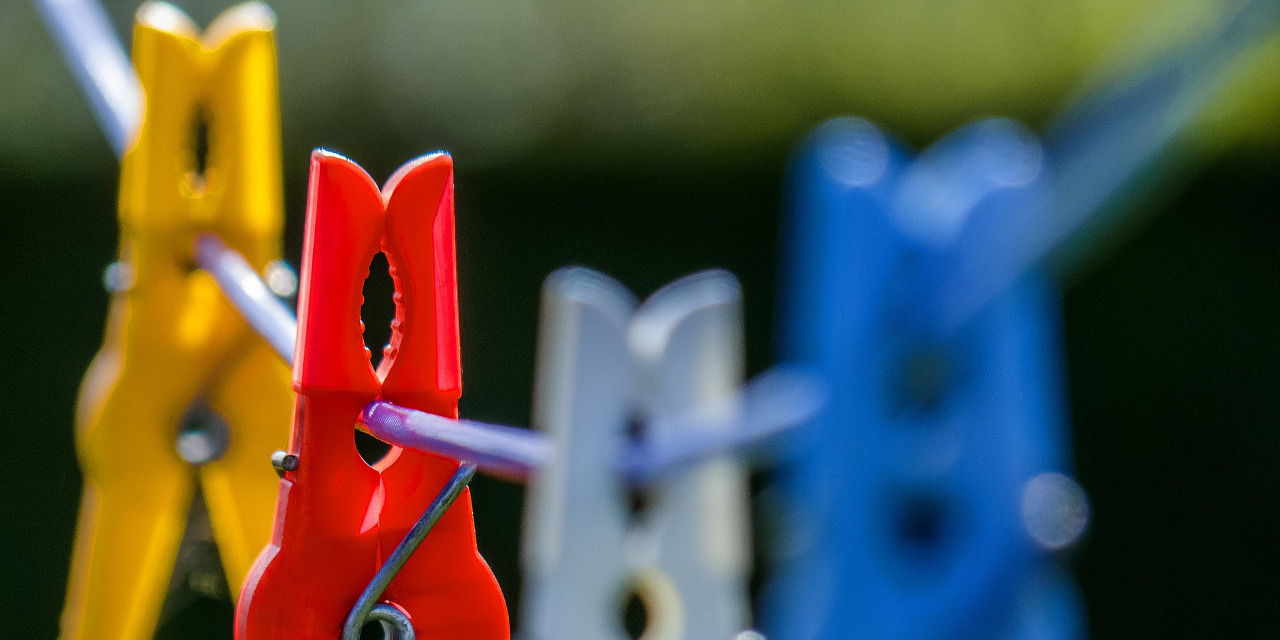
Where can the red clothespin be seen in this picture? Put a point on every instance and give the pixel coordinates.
(338, 518)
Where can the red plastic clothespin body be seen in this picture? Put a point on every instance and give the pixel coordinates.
(338, 518)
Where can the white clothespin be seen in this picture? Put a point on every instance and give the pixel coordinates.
(604, 365)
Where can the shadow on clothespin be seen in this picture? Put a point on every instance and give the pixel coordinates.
(680, 549)
(339, 518)
(183, 401)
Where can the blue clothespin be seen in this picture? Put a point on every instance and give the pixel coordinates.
(926, 500)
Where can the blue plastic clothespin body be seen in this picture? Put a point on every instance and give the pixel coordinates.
(903, 500)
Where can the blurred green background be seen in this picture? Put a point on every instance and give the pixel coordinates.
(651, 139)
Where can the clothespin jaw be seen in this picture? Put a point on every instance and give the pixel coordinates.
(338, 518)
(688, 339)
(602, 365)
(903, 500)
(576, 517)
(172, 341)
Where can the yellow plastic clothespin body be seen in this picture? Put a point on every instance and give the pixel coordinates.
(172, 340)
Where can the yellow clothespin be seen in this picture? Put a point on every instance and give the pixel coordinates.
(172, 341)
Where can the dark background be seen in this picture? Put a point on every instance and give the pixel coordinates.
(648, 172)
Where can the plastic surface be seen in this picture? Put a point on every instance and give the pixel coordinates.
(337, 517)
(685, 555)
(172, 340)
(901, 502)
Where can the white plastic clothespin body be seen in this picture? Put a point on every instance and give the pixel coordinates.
(605, 365)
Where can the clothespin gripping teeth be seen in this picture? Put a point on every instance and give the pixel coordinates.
(603, 366)
(338, 517)
(173, 345)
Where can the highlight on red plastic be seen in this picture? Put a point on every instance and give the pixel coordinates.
(338, 518)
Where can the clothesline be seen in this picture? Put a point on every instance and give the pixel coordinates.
(771, 403)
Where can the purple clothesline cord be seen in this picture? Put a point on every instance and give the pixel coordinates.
(773, 402)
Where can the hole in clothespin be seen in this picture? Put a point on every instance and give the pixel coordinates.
(201, 146)
(922, 525)
(650, 607)
(203, 436)
(638, 498)
(372, 450)
(197, 179)
(378, 308)
(921, 381)
(635, 619)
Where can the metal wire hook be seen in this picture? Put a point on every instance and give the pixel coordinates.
(367, 607)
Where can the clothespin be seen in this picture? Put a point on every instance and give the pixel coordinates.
(338, 517)
(605, 365)
(173, 346)
(927, 498)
